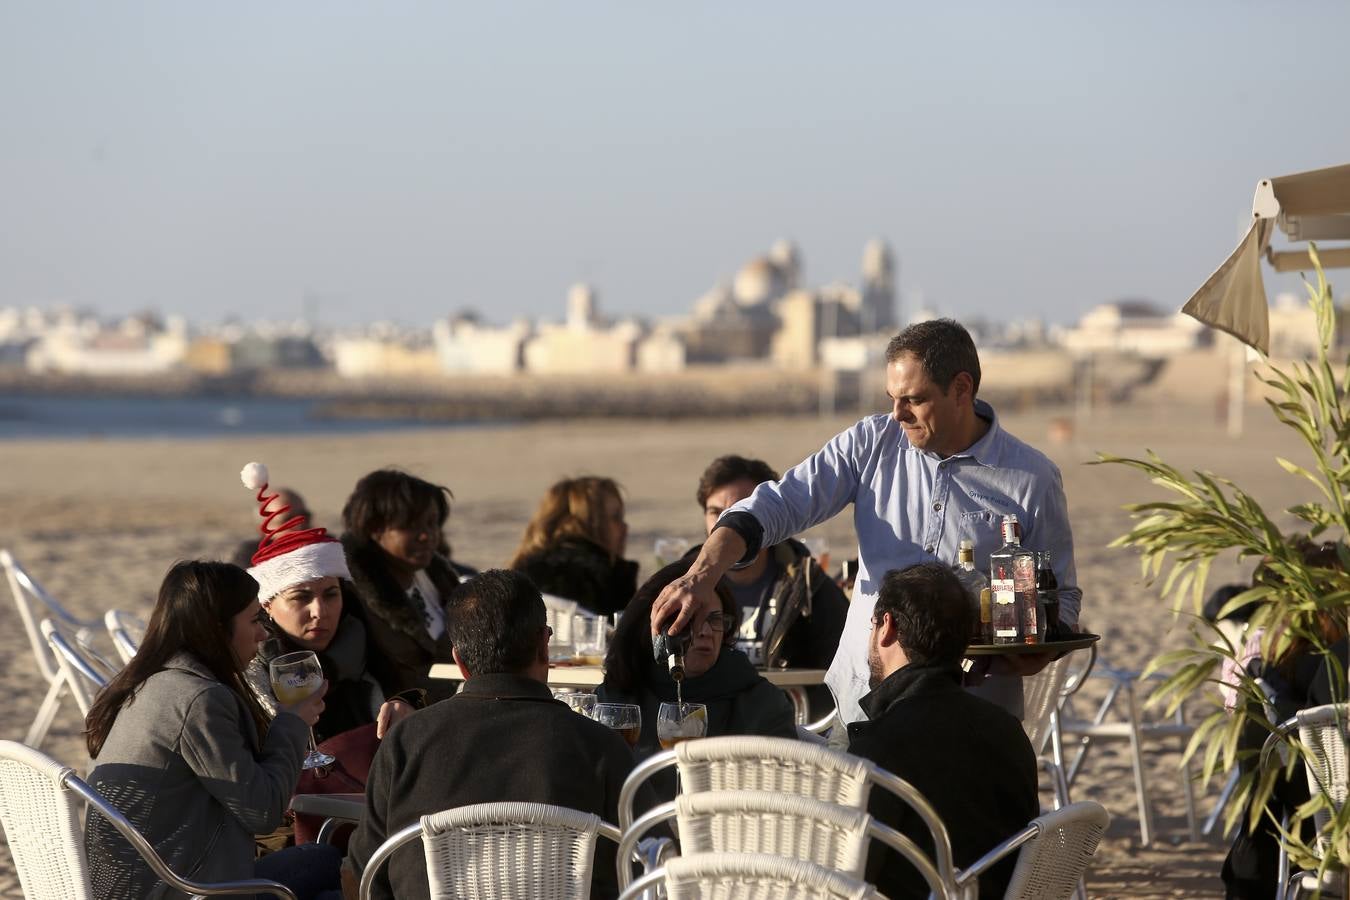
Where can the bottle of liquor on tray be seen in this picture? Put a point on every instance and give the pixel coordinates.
(977, 589)
(1012, 577)
(1047, 588)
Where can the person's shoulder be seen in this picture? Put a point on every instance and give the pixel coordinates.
(1017, 453)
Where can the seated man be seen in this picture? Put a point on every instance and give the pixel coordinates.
(792, 613)
(502, 738)
(968, 757)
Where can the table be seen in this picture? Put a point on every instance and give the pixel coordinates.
(792, 681)
(336, 809)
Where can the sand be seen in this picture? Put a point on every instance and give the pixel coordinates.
(99, 521)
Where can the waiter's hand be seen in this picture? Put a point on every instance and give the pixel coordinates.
(676, 604)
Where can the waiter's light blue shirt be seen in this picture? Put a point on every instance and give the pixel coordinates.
(912, 506)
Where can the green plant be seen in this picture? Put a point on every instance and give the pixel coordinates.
(1299, 606)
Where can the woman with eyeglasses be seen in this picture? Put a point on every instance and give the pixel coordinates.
(716, 674)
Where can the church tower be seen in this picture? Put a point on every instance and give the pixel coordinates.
(878, 312)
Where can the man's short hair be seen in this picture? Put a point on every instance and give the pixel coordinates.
(494, 620)
(726, 469)
(931, 611)
(943, 346)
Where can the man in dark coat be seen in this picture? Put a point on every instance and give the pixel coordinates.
(968, 757)
(502, 738)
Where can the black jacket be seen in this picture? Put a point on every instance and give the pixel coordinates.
(503, 738)
(401, 652)
(581, 570)
(968, 757)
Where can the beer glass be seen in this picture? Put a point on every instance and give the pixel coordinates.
(680, 722)
(625, 718)
(296, 677)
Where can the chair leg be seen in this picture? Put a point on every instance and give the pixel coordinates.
(1140, 780)
(1282, 872)
(1225, 797)
(1188, 794)
(46, 714)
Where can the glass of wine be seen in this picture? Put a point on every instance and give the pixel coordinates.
(680, 722)
(625, 718)
(296, 677)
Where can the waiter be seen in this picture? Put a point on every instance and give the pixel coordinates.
(938, 470)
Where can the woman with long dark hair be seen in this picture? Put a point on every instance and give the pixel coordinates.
(573, 546)
(183, 749)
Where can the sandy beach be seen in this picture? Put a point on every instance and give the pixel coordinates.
(99, 521)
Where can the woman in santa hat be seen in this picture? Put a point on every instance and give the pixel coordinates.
(305, 590)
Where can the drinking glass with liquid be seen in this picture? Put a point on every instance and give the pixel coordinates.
(625, 718)
(297, 677)
(676, 722)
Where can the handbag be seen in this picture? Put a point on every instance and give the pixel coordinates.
(352, 750)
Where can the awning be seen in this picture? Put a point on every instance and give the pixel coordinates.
(1306, 206)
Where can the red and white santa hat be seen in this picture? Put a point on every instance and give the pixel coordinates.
(289, 553)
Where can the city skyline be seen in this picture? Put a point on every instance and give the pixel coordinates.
(407, 162)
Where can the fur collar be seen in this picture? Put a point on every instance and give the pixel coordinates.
(383, 598)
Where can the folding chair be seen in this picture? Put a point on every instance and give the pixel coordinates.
(35, 604)
(40, 809)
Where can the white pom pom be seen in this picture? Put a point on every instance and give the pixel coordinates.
(254, 476)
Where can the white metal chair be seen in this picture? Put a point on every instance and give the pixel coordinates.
(1042, 695)
(501, 851)
(1138, 731)
(733, 876)
(791, 827)
(1053, 853)
(1324, 731)
(783, 766)
(81, 674)
(127, 630)
(40, 809)
(35, 604)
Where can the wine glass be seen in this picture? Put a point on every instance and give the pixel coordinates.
(296, 677)
(625, 718)
(579, 702)
(676, 722)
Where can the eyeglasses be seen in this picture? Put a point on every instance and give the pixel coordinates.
(716, 622)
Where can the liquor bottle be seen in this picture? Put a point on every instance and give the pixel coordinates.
(1047, 588)
(670, 649)
(977, 589)
(1012, 576)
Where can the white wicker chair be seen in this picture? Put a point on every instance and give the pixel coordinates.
(82, 674)
(127, 630)
(35, 604)
(1053, 853)
(1324, 731)
(497, 851)
(783, 766)
(1042, 694)
(735, 876)
(40, 810)
(783, 825)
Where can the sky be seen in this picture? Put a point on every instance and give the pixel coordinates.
(405, 160)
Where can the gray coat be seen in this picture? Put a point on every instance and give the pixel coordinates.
(183, 763)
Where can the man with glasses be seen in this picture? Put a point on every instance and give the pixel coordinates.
(502, 738)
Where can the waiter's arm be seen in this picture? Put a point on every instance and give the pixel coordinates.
(723, 549)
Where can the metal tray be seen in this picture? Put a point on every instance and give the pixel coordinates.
(1064, 645)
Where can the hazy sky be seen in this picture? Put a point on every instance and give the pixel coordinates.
(403, 160)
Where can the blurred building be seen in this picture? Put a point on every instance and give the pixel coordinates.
(386, 351)
(138, 345)
(466, 346)
(584, 343)
(1135, 326)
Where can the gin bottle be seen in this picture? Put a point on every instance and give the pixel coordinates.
(1012, 577)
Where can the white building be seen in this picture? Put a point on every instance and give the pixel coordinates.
(1134, 326)
(468, 347)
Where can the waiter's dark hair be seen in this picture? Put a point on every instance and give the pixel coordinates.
(943, 346)
(931, 612)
